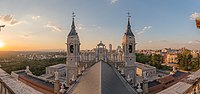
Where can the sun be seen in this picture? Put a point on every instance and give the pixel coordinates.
(1, 44)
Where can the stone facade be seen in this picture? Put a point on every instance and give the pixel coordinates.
(124, 54)
(11, 85)
(128, 46)
(170, 59)
(73, 53)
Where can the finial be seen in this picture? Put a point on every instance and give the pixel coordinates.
(79, 71)
(122, 71)
(86, 65)
(129, 15)
(139, 88)
(115, 65)
(83, 68)
(129, 79)
(73, 78)
(73, 15)
(62, 90)
(128, 76)
(28, 70)
(118, 68)
(56, 75)
(145, 75)
(73, 25)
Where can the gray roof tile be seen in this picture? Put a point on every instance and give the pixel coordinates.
(101, 79)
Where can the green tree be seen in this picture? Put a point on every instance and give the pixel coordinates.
(186, 60)
(156, 60)
(142, 58)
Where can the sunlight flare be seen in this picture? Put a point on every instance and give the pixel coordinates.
(1, 44)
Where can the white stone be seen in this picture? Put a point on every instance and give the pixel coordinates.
(62, 90)
(139, 88)
(122, 71)
(73, 78)
(56, 75)
(16, 86)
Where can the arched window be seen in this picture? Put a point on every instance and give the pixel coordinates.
(130, 48)
(71, 48)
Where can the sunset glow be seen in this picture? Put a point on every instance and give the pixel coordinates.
(1, 44)
(45, 26)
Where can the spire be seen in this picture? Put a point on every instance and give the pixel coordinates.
(73, 30)
(129, 25)
(128, 29)
(73, 16)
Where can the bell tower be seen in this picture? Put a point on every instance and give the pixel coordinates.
(128, 45)
(73, 52)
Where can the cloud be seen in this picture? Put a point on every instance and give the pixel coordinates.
(81, 27)
(84, 27)
(113, 1)
(195, 15)
(26, 36)
(189, 42)
(35, 17)
(150, 41)
(95, 26)
(53, 27)
(145, 29)
(8, 20)
(194, 42)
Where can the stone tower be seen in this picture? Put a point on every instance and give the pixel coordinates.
(73, 53)
(128, 45)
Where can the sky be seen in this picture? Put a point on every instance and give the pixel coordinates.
(45, 24)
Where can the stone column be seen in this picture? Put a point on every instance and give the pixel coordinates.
(145, 84)
(56, 83)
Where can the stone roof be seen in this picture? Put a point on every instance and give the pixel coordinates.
(58, 66)
(102, 79)
(178, 88)
(166, 79)
(178, 74)
(15, 85)
(100, 44)
(144, 66)
(73, 30)
(184, 85)
(89, 83)
(153, 83)
(128, 29)
(36, 80)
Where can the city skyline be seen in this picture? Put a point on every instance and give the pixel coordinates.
(37, 25)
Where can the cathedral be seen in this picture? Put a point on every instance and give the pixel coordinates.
(102, 70)
(96, 71)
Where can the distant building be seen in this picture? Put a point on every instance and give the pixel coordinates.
(195, 53)
(188, 85)
(60, 68)
(144, 68)
(170, 58)
(96, 71)
(165, 82)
